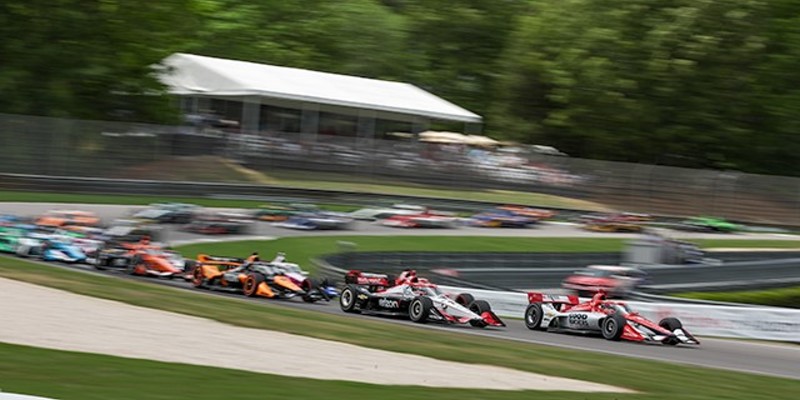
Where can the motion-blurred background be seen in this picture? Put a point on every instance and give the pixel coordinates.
(689, 104)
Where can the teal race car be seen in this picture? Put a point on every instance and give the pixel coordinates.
(9, 237)
(710, 224)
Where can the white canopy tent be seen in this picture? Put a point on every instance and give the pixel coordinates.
(193, 75)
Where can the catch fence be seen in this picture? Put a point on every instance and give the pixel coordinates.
(118, 150)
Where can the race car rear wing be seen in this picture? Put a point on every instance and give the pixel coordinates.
(365, 278)
(219, 260)
(536, 297)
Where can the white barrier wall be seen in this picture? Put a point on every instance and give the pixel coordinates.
(767, 323)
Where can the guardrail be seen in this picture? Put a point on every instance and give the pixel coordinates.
(547, 270)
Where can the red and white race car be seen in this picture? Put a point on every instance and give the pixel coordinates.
(613, 320)
(426, 219)
(414, 298)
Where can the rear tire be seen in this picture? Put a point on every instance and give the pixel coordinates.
(348, 299)
(420, 309)
(613, 326)
(132, 264)
(465, 299)
(251, 284)
(533, 316)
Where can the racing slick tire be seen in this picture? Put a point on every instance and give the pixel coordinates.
(100, 263)
(310, 285)
(348, 299)
(251, 283)
(533, 316)
(189, 266)
(465, 299)
(131, 267)
(671, 324)
(613, 326)
(198, 280)
(479, 306)
(420, 309)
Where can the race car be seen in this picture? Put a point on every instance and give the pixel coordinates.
(614, 280)
(412, 297)
(317, 221)
(142, 259)
(167, 213)
(378, 213)
(220, 224)
(622, 222)
(709, 224)
(612, 320)
(426, 219)
(251, 278)
(9, 237)
(50, 248)
(497, 218)
(530, 212)
(56, 218)
(315, 289)
(280, 213)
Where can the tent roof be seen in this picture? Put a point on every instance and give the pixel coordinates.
(199, 75)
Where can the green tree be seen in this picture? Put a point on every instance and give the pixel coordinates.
(88, 58)
(634, 79)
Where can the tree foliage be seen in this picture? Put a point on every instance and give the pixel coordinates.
(693, 82)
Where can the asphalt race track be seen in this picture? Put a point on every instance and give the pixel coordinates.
(775, 359)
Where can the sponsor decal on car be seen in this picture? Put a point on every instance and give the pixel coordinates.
(387, 303)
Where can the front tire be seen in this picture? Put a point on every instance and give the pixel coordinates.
(420, 309)
(613, 326)
(670, 324)
(533, 316)
(479, 306)
(251, 284)
(348, 299)
(198, 280)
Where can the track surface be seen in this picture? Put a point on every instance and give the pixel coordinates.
(746, 356)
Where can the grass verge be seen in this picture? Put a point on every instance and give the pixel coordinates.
(781, 297)
(71, 375)
(655, 380)
(50, 197)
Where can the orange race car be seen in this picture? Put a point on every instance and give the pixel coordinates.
(144, 259)
(537, 213)
(56, 218)
(250, 277)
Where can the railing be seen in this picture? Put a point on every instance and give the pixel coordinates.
(61, 147)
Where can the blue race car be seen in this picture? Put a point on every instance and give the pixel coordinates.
(50, 249)
(500, 219)
(317, 220)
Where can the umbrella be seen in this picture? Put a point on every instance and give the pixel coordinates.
(442, 137)
(478, 140)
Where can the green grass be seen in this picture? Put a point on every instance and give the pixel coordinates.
(303, 249)
(782, 297)
(80, 376)
(655, 380)
(49, 197)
